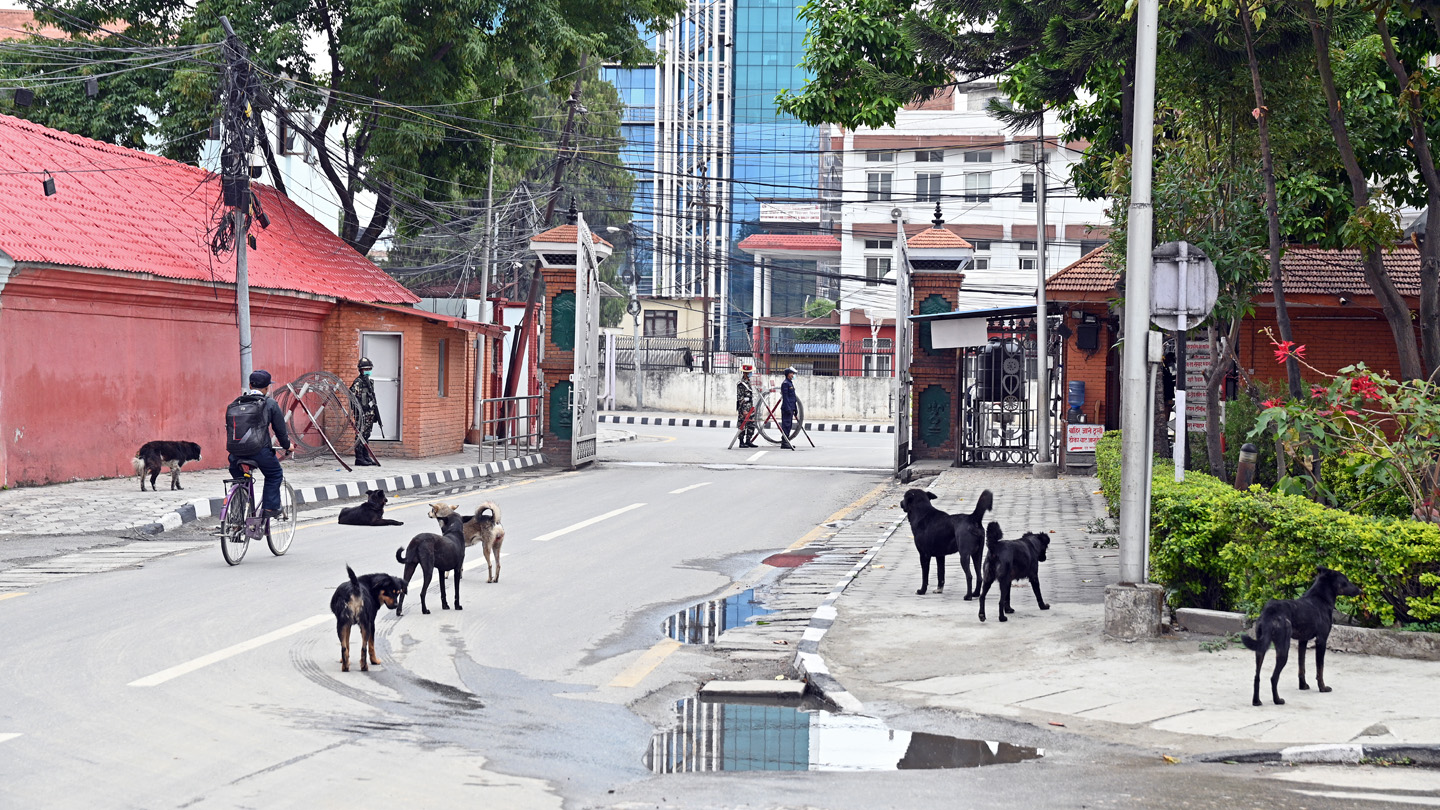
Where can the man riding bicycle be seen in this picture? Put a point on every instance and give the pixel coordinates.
(248, 423)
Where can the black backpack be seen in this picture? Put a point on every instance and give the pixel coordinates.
(247, 430)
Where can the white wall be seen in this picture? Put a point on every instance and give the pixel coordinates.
(829, 398)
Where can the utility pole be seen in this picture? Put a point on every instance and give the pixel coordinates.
(705, 261)
(1044, 467)
(235, 180)
(485, 313)
(527, 326)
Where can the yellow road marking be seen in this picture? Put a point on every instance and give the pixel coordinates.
(4, 596)
(645, 664)
(862, 501)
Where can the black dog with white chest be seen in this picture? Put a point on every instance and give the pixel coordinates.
(1012, 561)
(435, 552)
(357, 602)
(152, 455)
(1303, 619)
(938, 533)
(370, 513)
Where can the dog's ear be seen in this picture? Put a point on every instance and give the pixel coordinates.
(930, 495)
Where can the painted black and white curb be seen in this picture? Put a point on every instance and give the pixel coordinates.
(1332, 754)
(207, 507)
(807, 655)
(707, 422)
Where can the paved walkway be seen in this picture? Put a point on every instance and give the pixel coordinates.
(887, 645)
(727, 420)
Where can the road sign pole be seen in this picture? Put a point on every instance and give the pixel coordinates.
(1182, 429)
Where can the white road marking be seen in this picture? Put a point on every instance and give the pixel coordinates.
(8, 737)
(582, 524)
(687, 489)
(1390, 798)
(229, 652)
(756, 457)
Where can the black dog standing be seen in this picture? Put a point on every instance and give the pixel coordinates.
(1303, 619)
(1010, 561)
(367, 414)
(940, 533)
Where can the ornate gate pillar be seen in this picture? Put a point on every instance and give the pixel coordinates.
(936, 256)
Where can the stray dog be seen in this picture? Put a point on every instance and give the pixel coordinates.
(357, 602)
(370, 513)
(152, 454)
(939, 533)
(1302, 619)
(1011, 561)
(442, 552)
(484, 529)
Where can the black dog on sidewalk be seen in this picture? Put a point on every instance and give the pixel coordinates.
(151, 455)
(1308, 617)
(370, 513)
(940, 533)
(1011, 561)
(357, 602)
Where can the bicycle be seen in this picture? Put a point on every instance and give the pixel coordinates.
(240, 522)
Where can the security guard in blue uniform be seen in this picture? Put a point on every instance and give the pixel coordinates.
(789, 404)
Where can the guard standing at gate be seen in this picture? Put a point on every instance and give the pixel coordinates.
(789, 404)
(745, 407)
(367, 414)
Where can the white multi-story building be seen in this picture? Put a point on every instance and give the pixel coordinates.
(950, 151)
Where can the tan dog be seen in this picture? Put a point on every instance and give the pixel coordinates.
(480, 528)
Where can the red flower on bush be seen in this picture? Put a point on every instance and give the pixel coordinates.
(1286, 349)
(1316, 392)
(1272, 403)
(1365, 387)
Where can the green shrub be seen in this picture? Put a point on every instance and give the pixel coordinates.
(1215, 547)
(1356, 484)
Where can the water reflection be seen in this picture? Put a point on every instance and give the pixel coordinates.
(703, 623)
(744, 737)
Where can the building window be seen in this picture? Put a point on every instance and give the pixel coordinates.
(1027, 264)
(930, 156)
(879, 244)
(442, 364)
(1087, 245)
(875, 365)
(1027, 187)
(877, 186)
(876, 267)
(879, 157)
(977, 187)
(872, 343)
(662, 323)
(1027, 246)
(980, 245)
(927, 187)
(980, 156)
(979, 264)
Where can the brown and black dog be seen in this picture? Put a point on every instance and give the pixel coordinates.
(357, 602)
(1303, 619)
(435, 552)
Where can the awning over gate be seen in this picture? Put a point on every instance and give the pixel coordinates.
(969, 327)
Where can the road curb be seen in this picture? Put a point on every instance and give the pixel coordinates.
(807, 655)
(207, 507)
(1331, 754)
(711, 422)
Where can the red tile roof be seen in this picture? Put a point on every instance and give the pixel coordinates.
(936, 238)
(567, 234)
(121, 209)
(820, 243)
(1305, 269)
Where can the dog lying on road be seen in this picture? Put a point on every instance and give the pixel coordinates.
(940, 533)
(151, 455)
(1308, 617)
(432, 552)
(370, 513)
(1011, 561)
(357, 602)
(481, 528)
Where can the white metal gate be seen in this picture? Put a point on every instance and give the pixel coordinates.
(584, 383)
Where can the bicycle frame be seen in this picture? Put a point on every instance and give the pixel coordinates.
(255, 525)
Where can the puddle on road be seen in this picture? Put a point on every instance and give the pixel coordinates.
(703, 623)
(787, 560)
(712, 736)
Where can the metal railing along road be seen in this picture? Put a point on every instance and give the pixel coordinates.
(511, 427)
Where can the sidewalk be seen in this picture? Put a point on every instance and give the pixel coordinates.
(117, 505)
(888, 645)
(727, 420)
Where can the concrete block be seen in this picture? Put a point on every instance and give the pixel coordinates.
(1045, 471)
(773, 689)
(1210, 622)
(1133, 611)
(1392, 643)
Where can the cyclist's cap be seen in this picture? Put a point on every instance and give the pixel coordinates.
(260, 378)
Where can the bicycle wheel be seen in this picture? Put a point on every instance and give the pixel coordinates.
(233, 540)
(281, 530)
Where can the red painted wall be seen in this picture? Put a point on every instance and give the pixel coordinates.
(93, 365)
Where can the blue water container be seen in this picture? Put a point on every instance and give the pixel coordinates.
(1076, 399)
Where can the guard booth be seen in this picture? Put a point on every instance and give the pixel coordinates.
(991, 356)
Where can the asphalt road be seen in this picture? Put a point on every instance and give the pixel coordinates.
(188, 683)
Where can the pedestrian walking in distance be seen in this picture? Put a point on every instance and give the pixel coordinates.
(789, 404)
(689, 359)
(744, 406)
(367, 414)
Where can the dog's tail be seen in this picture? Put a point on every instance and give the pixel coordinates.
(354, 580)
(139, 464)
(993, 536)
(1251, 643)
(400, 555)
(985, 504)
(494, 510)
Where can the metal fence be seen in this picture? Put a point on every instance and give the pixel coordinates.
(511, 427)
(835, 358)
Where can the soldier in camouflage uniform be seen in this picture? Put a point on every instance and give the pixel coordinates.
(367, 414)
(744, 407)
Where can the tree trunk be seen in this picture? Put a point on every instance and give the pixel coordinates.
(1392, 304)
(1222, 359)
(1272, 205)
